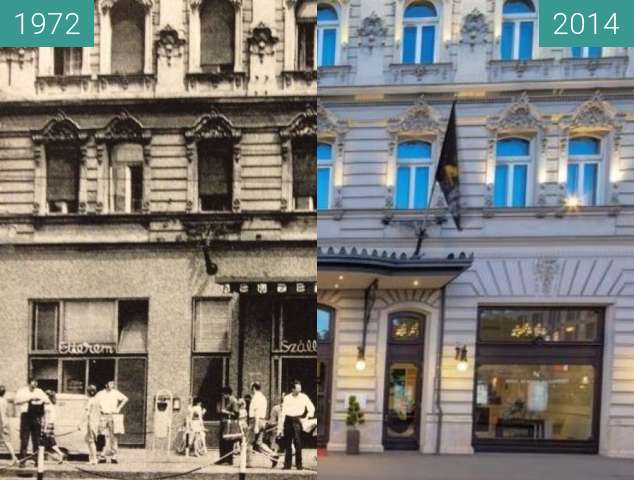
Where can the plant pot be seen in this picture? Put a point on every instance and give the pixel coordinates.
(353, 438)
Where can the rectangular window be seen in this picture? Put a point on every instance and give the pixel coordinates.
(127, 177)
(329, 47)
(304, 173)
(409, 45)
(427, 53)
(421, 187)
(68, 61)
(507, 43)
(215, 175)
(402, 187)
(45, 326)
(595, 52)
(501, 181)
(582, 182)
(306, 45)
(510, 185)
(212, 325)
(62, 178)
(323, 188)
(74, 376)
(526, 40)
(210, 374)
(91, 321)
(46, 371)
(519, 185)
(572, 186)
(133, 326)
(590, 183)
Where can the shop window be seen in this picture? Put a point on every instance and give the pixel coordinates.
(305, 18)
(68, 61)
(91, 321)
(217, 20)
(127, 177)
(511, 172)
(45, 326)
(324, 175)
(212, 328)
(215, 175)
(304, 178)
(587, 52)
(45, 371)
(132, 326)
(324, 324)
(210, 374)
(518, 26)
(62, 178)
(128, 37)
(420, 23)
(74, 376)
(413, 180)
(584, 160)
(538, 379)
(327, 35)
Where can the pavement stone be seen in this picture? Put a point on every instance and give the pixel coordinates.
(482, 466)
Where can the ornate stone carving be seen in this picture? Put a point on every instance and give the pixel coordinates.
(475, 29)
(303, 125)
(519, 116)
(212, 125)
(328, 124)
(106, 5)
(262, 41)
(594, 114)
(124, 128)
(60, 129)
(18, 55)
(170, 43)
(372, 32)
(546, 271)
(418, 118)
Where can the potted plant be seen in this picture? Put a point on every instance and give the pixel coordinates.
(355, 417)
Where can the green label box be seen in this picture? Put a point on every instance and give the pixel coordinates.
(47, 23)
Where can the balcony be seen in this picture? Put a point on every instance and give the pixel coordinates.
(514, 70)
(606, 67)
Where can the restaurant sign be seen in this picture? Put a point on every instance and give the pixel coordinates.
(85, 348)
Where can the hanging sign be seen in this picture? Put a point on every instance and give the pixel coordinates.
(271, 288)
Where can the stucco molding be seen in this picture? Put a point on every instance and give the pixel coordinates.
(475, 29)
(372, 32)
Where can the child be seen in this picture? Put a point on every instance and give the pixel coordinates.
(243, 415)
(196, 428)
(50, 414)
(5, 436)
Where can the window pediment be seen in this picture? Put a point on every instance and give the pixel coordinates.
(107, 5)
(593, 115)
(60, 129)
(520, 116)
(211, 126)
(124, 128)
(303, 125)
(420, 119)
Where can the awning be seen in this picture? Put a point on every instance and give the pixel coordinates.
(353, 269)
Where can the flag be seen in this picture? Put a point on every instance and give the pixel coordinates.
(447, 172)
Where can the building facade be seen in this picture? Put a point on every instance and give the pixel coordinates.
(515, 332)
(157, 206)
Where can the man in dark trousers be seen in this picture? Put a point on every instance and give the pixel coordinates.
(31, 401)
(296, 405)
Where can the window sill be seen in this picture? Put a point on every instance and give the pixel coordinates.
(539, 69)
(422, 72)
(135, 82)
(333, 74)
(62, 83)
(293, 76)
(605, 67)
(197, 80)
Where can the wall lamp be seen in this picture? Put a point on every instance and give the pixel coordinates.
(360, 365)
(461, 358)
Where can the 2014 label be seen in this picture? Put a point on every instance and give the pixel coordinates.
(577, 23)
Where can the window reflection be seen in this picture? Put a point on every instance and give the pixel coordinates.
(404, 328)
(323, 324)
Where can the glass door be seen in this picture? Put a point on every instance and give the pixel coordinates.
(403, 383)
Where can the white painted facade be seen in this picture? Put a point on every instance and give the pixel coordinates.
(543, 254)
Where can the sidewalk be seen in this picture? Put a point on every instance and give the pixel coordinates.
(482, 466)
(139, 464)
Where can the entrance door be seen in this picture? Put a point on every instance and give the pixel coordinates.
(403, 382)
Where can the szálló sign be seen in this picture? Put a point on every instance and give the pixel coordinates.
(303, 346)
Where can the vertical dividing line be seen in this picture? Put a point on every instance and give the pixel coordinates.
(438, 386)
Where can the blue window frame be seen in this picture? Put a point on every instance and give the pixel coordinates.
(327, 35)
(587, 52)
(324, 324)
(584, 158)
(420, 21)
(324, 175)
(511, 173)
(413, 180)
(518, 30)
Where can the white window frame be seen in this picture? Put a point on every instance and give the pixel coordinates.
(419, 23)
(319, 35)
(581, 160)
(330, 165)
(512, 162)
(412, 164)
(128, 187)
(46, 61)
(518, 19)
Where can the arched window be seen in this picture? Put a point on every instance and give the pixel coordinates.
(413, 179)
(420, 21)
(305, 15)
(511, 172)
(324, 175)
(128, 37)
(587, 52)
(584, 157)
(217, 36)
(518, 30)
(327, 35)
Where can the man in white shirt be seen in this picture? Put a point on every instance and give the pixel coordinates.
(257, 420)
(296, 405)
(111, 401)
(31, 401)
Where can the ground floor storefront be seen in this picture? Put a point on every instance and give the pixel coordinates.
(153, 320)
(522, 354)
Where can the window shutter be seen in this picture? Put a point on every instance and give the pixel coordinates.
(89, 321)
(215, 164)
(217, 24)
(213, 320)
(304, 168)
(128, 37)
(62, 173)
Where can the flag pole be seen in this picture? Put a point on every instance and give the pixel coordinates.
(423, 229)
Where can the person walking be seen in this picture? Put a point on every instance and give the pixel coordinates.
(31, 401)
(228, 411)
(50, 416)
(257, 422)
(296, 405)
(92, 420)
(111, 401)
(5, 433)
(275, 444)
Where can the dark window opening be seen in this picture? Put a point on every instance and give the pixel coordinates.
(306, 45)
(217, 36)
(45, 326)
(304, 173)
(215, 175)
(68, 61)
(128, 37)
(136, 187)
(133, 325)
(210, 374)
(62, 175)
